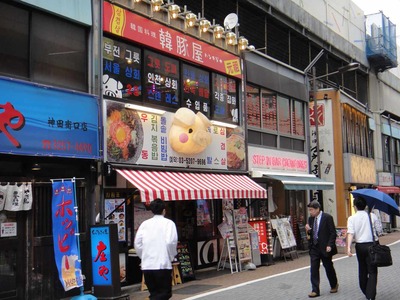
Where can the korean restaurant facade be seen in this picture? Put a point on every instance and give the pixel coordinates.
(277, 109)
(50, 129)
(177, 152)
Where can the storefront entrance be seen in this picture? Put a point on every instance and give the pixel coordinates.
(12, 252)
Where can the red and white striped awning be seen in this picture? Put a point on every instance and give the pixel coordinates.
(170, 186)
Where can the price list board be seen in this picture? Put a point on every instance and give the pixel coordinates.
(224, 99)
(196, 89)
(161, 75)
(185, 262)
(121, 70)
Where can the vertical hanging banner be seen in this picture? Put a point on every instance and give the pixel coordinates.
(66, 251)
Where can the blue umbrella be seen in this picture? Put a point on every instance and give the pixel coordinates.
(378, 200)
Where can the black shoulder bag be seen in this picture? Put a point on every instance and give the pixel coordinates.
(379, 254)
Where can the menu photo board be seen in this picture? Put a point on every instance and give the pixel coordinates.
(185, 262)
(225, 104)
(161, 75)
(121, 70)
(196, 89)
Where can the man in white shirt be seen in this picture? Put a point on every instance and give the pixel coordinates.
(359, 230)
(155, 243)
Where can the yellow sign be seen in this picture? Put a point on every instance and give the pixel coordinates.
(118, 20)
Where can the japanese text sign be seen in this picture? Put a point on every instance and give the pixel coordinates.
(101, 255)
(66, 251)
(261, 228)
(147, 32)
(39, 120)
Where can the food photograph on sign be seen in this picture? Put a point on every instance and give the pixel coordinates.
(124, 133)
(235, 148)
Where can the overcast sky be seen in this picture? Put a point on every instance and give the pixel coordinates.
(390, 8)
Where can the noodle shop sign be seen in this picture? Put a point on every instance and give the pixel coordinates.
(141, 138)
(136, 28)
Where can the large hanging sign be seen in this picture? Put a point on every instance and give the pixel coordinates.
(146, 32)
(66, 249)
(39, 120)
(181, 139)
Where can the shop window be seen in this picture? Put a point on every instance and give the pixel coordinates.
(269, 110)
(254, 137)
(43, 48)
(14, 37)
(386, 153)
(253, 106)
(284, 115)
(224, 101)
(265, 110)
(269, 140)
(298, 118)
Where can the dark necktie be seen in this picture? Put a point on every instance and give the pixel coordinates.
(315, 231)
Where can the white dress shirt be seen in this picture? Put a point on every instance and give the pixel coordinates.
(359, 226)
(155, 243)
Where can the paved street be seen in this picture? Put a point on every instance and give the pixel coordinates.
(295, 284)
(289, 280)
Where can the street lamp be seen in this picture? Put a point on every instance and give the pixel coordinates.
(350, 67)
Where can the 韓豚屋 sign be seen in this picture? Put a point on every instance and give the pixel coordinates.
(40, 120)
(147, 32)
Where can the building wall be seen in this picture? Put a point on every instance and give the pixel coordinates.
(338, 23)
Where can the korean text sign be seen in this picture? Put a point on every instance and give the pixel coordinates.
(66, 251)
(142, 30)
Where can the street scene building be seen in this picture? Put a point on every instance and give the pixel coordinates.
(236, 113)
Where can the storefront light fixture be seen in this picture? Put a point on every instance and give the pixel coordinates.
(174, 11)
(145, 109)
(156, 4)
(204, 25)
(243, 43)
(190, 19)
(223, 124)
(230, 38)
(218, 31)
(36, 167)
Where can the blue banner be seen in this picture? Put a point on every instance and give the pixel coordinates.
(101, 255)
(40, 120)
(66, 250)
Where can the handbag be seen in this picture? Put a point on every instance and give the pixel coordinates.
(380, 255)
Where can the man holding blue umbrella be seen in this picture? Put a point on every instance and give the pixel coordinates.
(359, 230)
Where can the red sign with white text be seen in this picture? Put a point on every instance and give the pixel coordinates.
(261, 228)
(136, 28)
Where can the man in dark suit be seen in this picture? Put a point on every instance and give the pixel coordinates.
(321, 228)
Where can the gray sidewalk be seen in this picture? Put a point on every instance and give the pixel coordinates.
(286, 280)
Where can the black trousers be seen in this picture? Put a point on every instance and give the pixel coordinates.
(316, 256)
(367, 274)
(159, 283)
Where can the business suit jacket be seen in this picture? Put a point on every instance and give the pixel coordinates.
(326, 234)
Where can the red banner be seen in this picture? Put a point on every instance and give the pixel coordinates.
(136, 28)
(261, 228)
